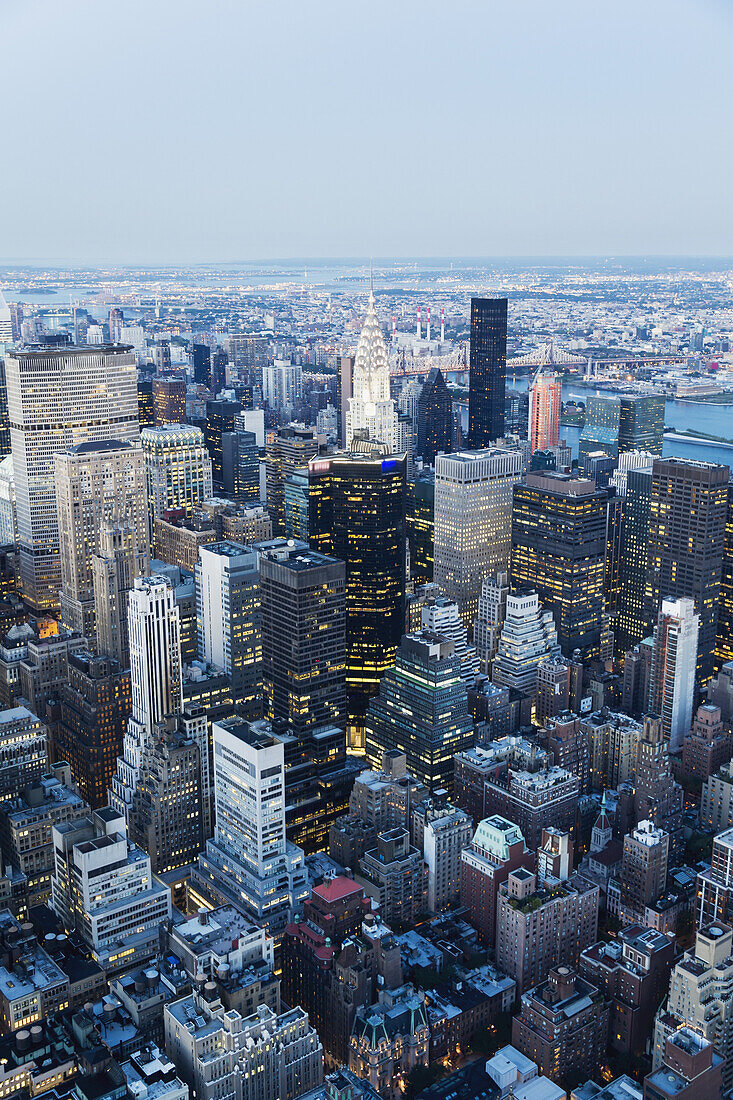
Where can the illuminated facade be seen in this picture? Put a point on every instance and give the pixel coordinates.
(617, 423)
(724, 642)
(674, 658)
(632, 621)
(371, 409)
(289, 449)
(228, 617)
(421, 710)
(559, 549)
(169, 401)
(421, 525)
(357, 514)
(177, 468)
(221, 417)
(96, 483)
(688, 508)
(60, 397)
(487, 383)
(544, 412)
(473, 518)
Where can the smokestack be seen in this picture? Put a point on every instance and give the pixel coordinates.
(428, 324)
(442, 325)
(419, 324)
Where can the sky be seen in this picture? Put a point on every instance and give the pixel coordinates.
(172, 132)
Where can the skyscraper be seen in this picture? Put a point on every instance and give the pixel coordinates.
(724, 642)
(421, 710)
(116, 564)
(544, 412)
(674, 659)
(528, 637)
(169, 400)
(96, 483)
(371, 409)
(177, 467)
(201, 359)
(288, 450)
(304, 637)
(155, 675)
(487, 382)
(95, 707)
(344, 376)
(228, 615)
(59, 398)
(357, 514)
(632, 621)
(559, 549)
(617, 423)
(473, 521)
(249, 861)
(434, 418)
(220, 418)
(686, 544)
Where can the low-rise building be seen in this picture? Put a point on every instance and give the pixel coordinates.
(389, 1039)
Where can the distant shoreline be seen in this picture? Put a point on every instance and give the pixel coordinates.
(710, 440)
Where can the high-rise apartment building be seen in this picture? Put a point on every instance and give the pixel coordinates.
(544, 412)
(701, 997)
(23, 750)
(686, 544)
(357, 514)
(487, 382)
(228, 616)
(95, 706)
(674, 662)
(372, 414)
(96, 483)
(155, 676)
(59, 398)
(103, 887)
(178, 469)
(496, 850)
(249, 862)
(421, 710)
(559, 550)
(434, 418)
(473, 518)
(643, 870)
(490, 619)
(715, 885)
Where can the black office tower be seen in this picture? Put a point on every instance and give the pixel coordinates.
(201, 364)
(632, 622)
(357, 513)
(434, 418)
(220, 418)
(487, 382)
(688, 508)
(724, 646)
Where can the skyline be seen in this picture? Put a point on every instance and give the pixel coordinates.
(232, 134)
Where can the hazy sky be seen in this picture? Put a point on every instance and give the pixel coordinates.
(226, 130)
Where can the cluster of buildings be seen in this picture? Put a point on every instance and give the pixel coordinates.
(342, 755)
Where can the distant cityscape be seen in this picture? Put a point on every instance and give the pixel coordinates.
(366, 680)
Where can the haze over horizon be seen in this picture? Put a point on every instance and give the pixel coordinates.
(523, 130)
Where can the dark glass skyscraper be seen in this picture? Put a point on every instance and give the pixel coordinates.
(434, 418)
(724, 645)
(201, 356)
(487, 382)
(688, 508)
(559, 550)
(632, 621)
(357, 513)
(220, 418)
(421, 710)
(421, 525)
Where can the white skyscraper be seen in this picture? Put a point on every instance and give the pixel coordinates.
(371, 409)
(282, 384)
(473, 521)
(442, 617)
(60, 397)
(6, 321)
(115, 566)
(94, 482)
(490, 619)
(249, 861)
(674, 663)
(155, 676)
(528, 636)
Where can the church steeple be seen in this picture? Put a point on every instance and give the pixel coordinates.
(602, 830)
